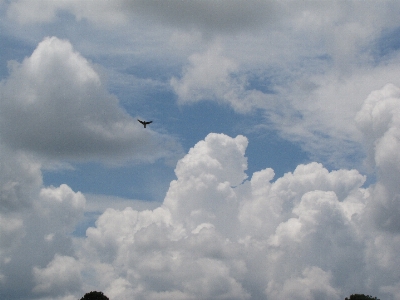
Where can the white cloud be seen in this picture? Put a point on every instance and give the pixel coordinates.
(298, 235)
(20, 179)
(78, 119)
(212, 168)
(314, 284)
(308, 99)
(210, 76)
(378, 120)
(321, 56)
(60, 276)
(306, 235)
(11, 230)
(313, 70)
(35, 224)
(29, 13)
(61, 205)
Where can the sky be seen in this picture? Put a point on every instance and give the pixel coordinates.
(270, 170)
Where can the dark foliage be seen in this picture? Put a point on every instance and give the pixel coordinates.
(361, 297)
(94, 296)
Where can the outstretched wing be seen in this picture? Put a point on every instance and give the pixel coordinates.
(144, 123)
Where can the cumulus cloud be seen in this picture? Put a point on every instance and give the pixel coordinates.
(378, 120)
(301, 236)
(217, 235)
(54, 104)
(21, 179)
(35, 225)
(219, 238)
(60, 276)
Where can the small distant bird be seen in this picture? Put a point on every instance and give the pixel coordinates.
(144, 123)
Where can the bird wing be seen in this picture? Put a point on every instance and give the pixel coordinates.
(149, 122)
(141, 121)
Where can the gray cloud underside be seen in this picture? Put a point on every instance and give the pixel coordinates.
(54, 104)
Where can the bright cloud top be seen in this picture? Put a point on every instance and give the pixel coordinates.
(311, 234)
(303, 236)
(64, 111)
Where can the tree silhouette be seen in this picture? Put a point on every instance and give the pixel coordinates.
(94, 296)
(361, 297)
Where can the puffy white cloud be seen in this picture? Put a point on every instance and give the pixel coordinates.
(219, 238)
(61, 205)
(277, 200)
(212, 168)
(60, 276)
(20, 179)
(159, 260)
(78, 119)
(379, 121)
(307, 234)
(35, 224)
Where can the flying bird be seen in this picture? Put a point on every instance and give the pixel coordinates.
(144, 123)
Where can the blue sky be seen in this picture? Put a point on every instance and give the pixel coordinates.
(272, 161)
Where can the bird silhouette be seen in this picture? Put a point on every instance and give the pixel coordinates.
(144, 123)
